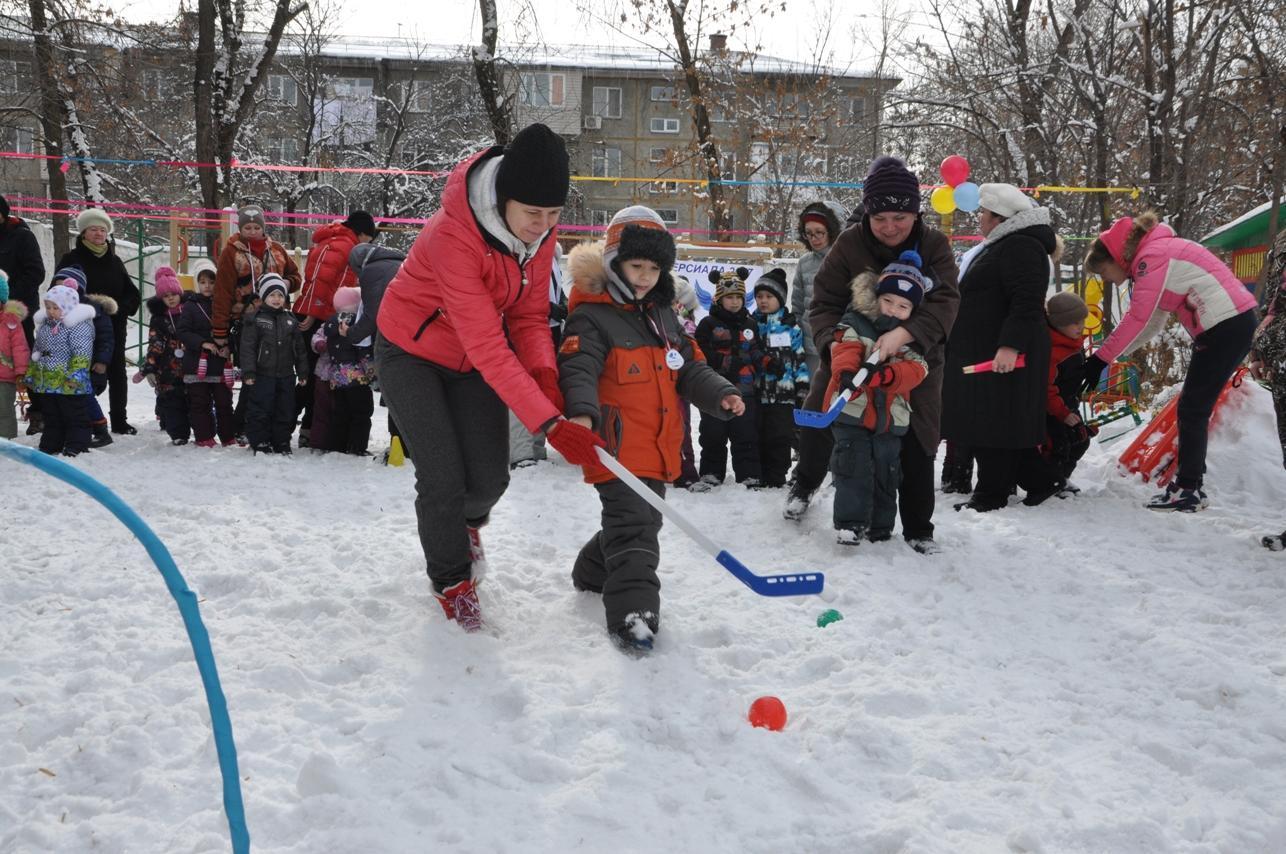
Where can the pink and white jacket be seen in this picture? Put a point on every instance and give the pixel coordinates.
(14, 352)
(1171, 276)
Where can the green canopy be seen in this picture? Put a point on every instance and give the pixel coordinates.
(1249, 229)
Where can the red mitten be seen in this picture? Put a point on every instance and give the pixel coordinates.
(547, 379)
(574, 442)
(883, 375)
(846, 357)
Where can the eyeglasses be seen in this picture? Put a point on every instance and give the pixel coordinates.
(815, 232)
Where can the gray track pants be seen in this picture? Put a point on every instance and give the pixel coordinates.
(457, 429)
(621, 559)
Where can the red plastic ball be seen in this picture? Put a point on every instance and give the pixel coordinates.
(768, 712)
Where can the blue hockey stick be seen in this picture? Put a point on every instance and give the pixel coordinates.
(818, 420)
(803, 584)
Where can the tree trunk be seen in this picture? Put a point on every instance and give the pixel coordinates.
(51, 122)
(499, 107)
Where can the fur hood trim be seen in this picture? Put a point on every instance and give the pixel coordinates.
(15, 308)
(865, 301)
(106, 303)
(79, 314)
(157, 307)
(1019, 221)
(589, 278)
(832, 212)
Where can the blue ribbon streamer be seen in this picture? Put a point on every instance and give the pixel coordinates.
(187, 602)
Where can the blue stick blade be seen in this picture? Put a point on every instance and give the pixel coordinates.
(808, 418)
(801, 584)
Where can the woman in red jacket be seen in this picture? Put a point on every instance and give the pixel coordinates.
(464, 334)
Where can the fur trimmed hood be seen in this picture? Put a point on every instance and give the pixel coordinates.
(106, 303)
(832, 212)
(589, 278)
(156, 305)
(864, 300)
(14, 308)
(79, 314)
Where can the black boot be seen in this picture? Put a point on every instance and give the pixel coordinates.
(100, 438)
(35, 422)
(120, 425)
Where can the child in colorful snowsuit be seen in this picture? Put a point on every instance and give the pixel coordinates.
(15, 355)
(105, 309)
(163, 364)
(1068, 435)
(866, 461)
(59, 370)
(685, 309)
(729, 338)
(624, 364)
(207, 367)
(343, 402)
(783, 382)
(273, 361)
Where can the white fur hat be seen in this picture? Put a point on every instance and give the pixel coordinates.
(90, 217)
(1003, 199)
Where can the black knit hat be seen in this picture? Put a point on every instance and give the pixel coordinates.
(773, 281)
(360, 222)
(890, 186)
(535, 170)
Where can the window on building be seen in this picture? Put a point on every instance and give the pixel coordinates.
(728, 166)
(22, 140)
(669, 216)
(658, 155)
(417, 154)
(607, 102)
(15, 76)
(662, 93)
(857, 111)
(663, 188)
(607, 163)
(282, 150)
(720, 114)
(660, 125)
(419, 100)
(600, 218)
(759, 152)
(345, 112)
(541, 89)
(283, 89)
(152, 84)
(794, 105)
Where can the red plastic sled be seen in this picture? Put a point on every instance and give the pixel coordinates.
(1154, 453)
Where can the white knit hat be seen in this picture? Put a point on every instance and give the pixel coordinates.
(1004, 199)
(93, 216)
(64, 297)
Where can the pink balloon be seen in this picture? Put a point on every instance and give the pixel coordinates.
(955, 169)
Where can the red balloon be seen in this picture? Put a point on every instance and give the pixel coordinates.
(955, 170)
(768, 712)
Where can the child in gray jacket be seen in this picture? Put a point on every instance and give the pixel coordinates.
(273, 361)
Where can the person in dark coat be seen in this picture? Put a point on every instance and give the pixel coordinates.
(1000, 414)
(205, 366)
(20, 258)
(729, 338)
(820, 223)
(163, 365)
(105, 274)
(890, 224)
(375, 266)
(273, 361)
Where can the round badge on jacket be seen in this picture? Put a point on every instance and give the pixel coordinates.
(673, 359)
(748, 334)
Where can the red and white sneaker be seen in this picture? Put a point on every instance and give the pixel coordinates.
(477, 555)
(460, 603)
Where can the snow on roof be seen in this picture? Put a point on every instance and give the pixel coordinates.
(1250, 214)
(606, 57)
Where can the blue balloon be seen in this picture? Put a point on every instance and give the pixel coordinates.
(966, 196)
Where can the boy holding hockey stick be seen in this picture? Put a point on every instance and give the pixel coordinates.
(624, 364)
(866, 461)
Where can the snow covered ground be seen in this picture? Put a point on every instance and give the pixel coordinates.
(1080, 677)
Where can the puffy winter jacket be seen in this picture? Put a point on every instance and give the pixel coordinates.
(1066, 364)
(466, 281)
(106, 276)
(326, 270)
(14, 352)
(374, 266)
(60, 360)
(165, 351)
(105, 312)
(271, 344)
(885, 408)
(801, 288)
(1172, 276)
(784, 377)
(20, 257)
(732, 346)
(613, 369)
(236, 284)
(195, 329)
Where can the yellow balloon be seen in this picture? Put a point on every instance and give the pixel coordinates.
(943, 200)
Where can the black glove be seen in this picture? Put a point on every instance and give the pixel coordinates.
(1093, 372)
(97, 382)
(878, 375)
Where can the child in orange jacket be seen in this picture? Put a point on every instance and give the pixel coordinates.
(624, 365)
(866, 462)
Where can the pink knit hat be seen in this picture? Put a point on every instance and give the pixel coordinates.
(1114, 240)
(167, 283)
(347, 299)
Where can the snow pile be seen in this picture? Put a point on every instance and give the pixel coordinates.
(1081, 676)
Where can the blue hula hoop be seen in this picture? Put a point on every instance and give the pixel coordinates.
(186, 599)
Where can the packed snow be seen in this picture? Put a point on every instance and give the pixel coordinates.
(1084, 676)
